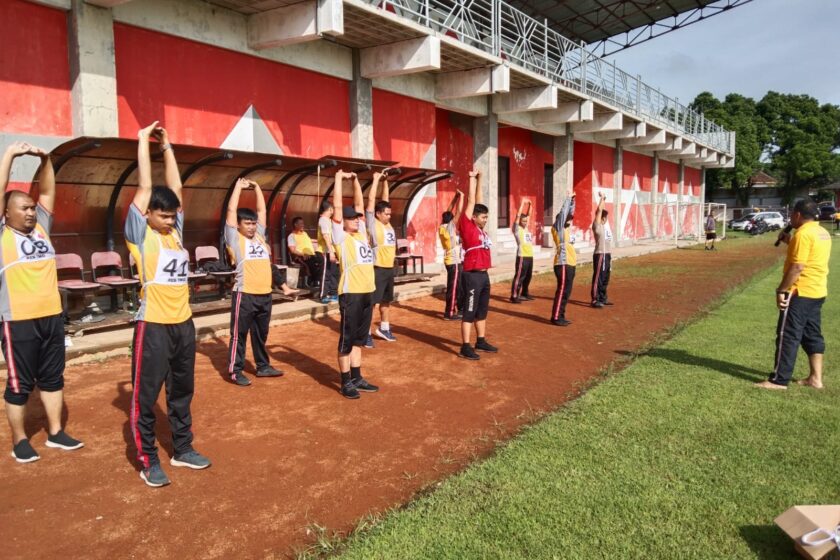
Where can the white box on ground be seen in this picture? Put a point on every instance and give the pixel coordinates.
(801, 520)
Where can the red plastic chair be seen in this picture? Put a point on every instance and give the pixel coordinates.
(73, 262)
(112, 261)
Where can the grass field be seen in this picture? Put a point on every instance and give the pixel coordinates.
(676, 456)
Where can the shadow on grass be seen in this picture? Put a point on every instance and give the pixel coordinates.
(768, 542)
(685, 358)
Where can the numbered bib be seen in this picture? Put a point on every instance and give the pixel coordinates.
(389, 238)
(33, 248)
(528, 238)
(364, 254)
(255, 250)
(173, 267)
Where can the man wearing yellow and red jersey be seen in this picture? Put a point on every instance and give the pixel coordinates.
(476, 244)
(30, 305)
(251, 299)
(384, 243)
(800, 297)
(565, 260)
(355, 286)
(163, 350)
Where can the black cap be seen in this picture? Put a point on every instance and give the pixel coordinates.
(350, 213)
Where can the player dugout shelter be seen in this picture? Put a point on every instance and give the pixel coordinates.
(97, 177)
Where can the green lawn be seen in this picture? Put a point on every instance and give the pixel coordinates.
(677, 456)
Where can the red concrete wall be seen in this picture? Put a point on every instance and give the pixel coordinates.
(404, 131)
(34, 70)
(201, 92)
(637, 165)
(691, 178)
(527, 163)
(670, 173)
(454, 143)
(584, 191)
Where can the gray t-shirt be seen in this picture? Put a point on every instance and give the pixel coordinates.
(603, 236)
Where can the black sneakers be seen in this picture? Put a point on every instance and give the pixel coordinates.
(23, 452)
(515, 300)
(362, 385)
(239, 379)
(349, 391)
(485, 346)
(527, 298)
(561, 322)
(597, 304)
(468, 353)
(269, 371)
(607, 302)
(456, 317)
(62, 441)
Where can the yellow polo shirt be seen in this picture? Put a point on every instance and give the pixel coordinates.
(811, 246)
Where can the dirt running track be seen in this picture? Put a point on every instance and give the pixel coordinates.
(290, 452)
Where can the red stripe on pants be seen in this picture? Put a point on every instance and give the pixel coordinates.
(135, 397)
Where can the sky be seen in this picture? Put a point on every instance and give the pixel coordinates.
(789, 46)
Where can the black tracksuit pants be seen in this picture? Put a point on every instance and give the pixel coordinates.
(162, 355)
(798, 325)
(565, 274)
(329, 276)
(249, 313)
(601, 264)
(522, 277)
(454, 289)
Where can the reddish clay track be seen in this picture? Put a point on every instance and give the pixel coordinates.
(290, 452)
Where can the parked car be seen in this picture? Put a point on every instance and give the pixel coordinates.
(827, 212)
(774, 220)
(757, 226)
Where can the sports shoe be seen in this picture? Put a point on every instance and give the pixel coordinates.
(62, 441)
(191, 459)
(362, 385)
(607, 302)
(269, 371)
(154, 476)
(334, 299)
(23, 452)
(349, 391)
(326, 300)
(369, 342)
(597, 305)
(239, 379)
(456, 317)
(386, 335)
(561, 322)
(468, 353)
(485, 346)
(528, 298)
(515, 300)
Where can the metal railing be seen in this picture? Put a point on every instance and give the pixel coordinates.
(501, 30)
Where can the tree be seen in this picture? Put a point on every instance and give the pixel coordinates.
(804, 141)
(739, 114)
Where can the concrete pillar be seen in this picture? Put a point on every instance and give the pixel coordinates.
(92, 70)
(618, 184)
(654, 195)
(701, 225)
(486, 160)
(680, 201)
(361, 112)
(564, 170)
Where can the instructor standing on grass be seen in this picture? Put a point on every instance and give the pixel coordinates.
(800, 297)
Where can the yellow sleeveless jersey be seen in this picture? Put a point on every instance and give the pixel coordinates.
(302, 242)
(564, 252)
(355, 260)
(451, 243)
(383, 240)
(324, 229)
(28, 277)
(252, 259)
(524, 241)
(163, 266)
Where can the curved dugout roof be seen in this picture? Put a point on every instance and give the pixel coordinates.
(97, 177)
